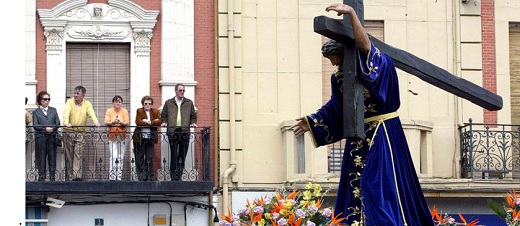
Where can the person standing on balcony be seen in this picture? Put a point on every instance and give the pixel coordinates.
(378, 183)
(116, 119)
(46, 123)
(29, 156)
(145, 137)
(75, 115)
(178, 114)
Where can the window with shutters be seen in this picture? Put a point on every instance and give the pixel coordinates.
(514, 76)
(104, 70)
(335, 151)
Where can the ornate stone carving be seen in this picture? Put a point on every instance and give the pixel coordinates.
(97, 32)
(97, 11)
(142, 41)
(54, 39)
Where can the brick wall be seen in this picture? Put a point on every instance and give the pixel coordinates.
(205, 62)
(205, 67)
(488, 53)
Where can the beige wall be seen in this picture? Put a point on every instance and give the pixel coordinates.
(278, 78)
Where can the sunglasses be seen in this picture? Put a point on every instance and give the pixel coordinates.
(147, 103)
(46, 99)
(180, 90)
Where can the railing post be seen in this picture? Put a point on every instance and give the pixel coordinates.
(471, 147)
(206, 153)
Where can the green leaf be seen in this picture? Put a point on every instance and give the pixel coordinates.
(497, 208)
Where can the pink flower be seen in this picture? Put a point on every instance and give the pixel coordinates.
(258, 209)
(313, 209)
(327, 212)
(300, 213)
(310, 223)
(282, 222)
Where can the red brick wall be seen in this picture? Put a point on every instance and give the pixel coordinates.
(41, 57)
(205, 67)
(488, 53)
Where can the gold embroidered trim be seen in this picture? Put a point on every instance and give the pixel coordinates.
(382, 117)
(379, 119)
(369, 62)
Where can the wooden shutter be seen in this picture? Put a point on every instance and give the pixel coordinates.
(514, 71)
(104, 70)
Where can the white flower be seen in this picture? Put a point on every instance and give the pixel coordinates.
(451, 220)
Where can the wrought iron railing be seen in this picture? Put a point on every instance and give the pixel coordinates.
(96, 155)
(490, 151)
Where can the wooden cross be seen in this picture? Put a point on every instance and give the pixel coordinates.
(353, 100)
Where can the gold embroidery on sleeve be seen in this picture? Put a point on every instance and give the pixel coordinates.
(328, 138)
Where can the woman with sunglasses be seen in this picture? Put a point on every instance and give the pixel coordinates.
(46, 123)
(145, 136)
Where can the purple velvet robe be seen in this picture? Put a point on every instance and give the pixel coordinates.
(378, 183)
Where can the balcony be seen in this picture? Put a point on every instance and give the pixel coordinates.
(121, 181)
(490, 151)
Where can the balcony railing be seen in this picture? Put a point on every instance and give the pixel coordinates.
(96, 155)
(490, 151)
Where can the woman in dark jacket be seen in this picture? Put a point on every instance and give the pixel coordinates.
(145, 136)
(46, 123)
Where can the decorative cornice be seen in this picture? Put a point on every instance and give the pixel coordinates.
(136, 10)
(98, 21)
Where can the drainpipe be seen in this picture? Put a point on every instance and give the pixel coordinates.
(211, 212)
(232, 151)
(457, 70)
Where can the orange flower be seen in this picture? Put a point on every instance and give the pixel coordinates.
(335, 220)
(292, 220)
(472, 223)
(319, 203)
(228, 217)
(516, 215)
(436, 214)
(292, 195)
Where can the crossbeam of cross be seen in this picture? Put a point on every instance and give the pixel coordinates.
(353, 108)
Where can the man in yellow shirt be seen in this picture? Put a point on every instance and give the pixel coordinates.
(116, 118)
(75, 119)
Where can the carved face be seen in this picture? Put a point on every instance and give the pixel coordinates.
(97, 11)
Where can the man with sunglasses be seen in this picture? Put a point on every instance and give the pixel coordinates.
(178, 114)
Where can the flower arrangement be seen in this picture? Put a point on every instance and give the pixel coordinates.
(295, 209)
(440, 219)
(509, 210)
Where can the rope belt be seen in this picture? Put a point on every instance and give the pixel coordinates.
(380, 121)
